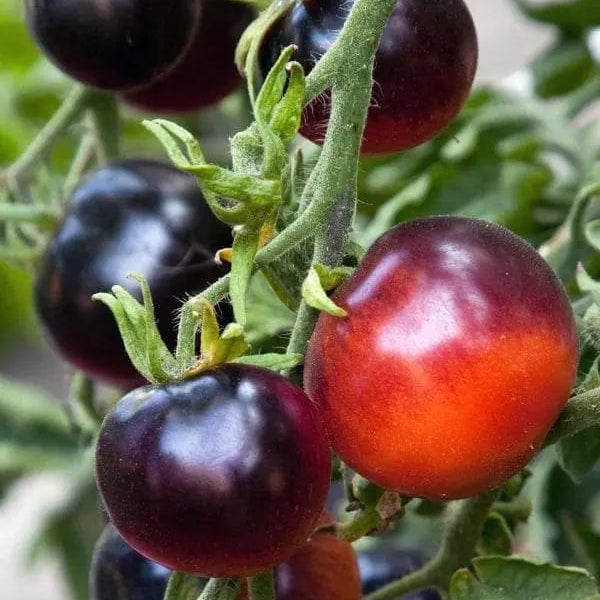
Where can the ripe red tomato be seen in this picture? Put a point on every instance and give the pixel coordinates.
(113, 44)
(207, 72)
(424, 67)
(457, 355)
(223, 475)
(325, 568)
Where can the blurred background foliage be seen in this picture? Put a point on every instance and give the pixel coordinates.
(517, 155)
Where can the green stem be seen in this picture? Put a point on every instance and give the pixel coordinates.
(368, 520)
(261, 586)
(462, 531)
(81, 161)
(105, 114)
(581, 413)
(69, 110)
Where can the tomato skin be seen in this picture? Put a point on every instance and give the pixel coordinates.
(424, 67)
(458, 353)
(134, 215)
(207, 72)
(118, 572)
(222, 475)
(383, 565)
(113, 44)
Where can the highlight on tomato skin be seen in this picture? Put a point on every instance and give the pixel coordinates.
(221, 475)
(113, 44)
(458, 354)
(207, 73)
(324, 568)
(132, 215)
(424, 67)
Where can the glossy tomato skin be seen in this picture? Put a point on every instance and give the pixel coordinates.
(458, 353)
(221, 475)
(207, 72)
(118, 572)
(424, 67)
(384, 565)
(134, 215)
(325, 568)
(113, 44)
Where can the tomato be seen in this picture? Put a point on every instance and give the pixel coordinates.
(457, 355)
(118, 572)
(206, 73)
(113, 44)
(424, 67)
(134, 215)
(384, 565)
(222, 475)
(325, 568)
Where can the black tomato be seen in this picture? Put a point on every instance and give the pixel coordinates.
(207, 72)
(424, 67)
(134, 215)
(382, 566)
(113, 44)
(221, 475)
(118, 572)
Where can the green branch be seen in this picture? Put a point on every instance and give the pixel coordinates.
(581, 413)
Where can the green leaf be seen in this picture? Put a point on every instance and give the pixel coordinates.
(275, 362)
(515, 578)
(245, 247)
(580, 453)
(496, 537)
(314, 295)
(182, 586)
(572, 15)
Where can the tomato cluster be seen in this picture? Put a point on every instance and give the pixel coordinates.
(424, 67)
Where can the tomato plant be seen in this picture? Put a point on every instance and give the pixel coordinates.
(233, 467)
(206, 73)
(134, 215)
(441, 304)
(424, 67)
(113, 45)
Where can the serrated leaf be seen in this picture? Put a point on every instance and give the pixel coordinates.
(314, 295)
(513, 578)
(275, 362)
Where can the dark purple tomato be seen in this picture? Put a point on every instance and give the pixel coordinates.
(118, 572)
(113, 44)
(134, 215)
(382, 566)
(222, 475)
(207, 72)
(458, 353)
(424, 67)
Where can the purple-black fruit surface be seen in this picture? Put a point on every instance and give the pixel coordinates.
(134, 215)
(118, 572)
(207, 72)
(221, 475)
(424, 67)
(113, 44)
(382, 566)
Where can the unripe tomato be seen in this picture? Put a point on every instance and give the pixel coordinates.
(324, 568)
(222, 475)
(134, 215)
(384, 565)
(424, 67)
(457, 355)
(113, 44)
(118, 572)
(207, 72)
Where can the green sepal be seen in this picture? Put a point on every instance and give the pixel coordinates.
(314, 295)
(172, 136)
(182, 586)
(247, 151)
(514, 578)
(271, 91)
(331, 278)
(272, 361)
(141, 338)
(287, 114)
(496, 537)
(245, 247)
